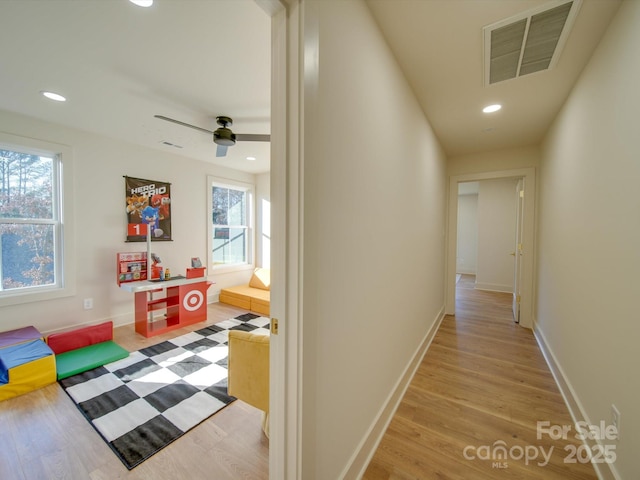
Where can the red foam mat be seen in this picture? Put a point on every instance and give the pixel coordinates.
(80, 337)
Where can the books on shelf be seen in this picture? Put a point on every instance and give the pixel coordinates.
(131, 266)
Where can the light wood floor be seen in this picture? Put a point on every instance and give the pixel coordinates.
(44, 436)
(483, 380)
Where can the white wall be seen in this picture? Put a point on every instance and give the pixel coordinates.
(589, 237)
(373, 228)
(467, 251)
(496, 234)
(496, 160)
(99, 166)
(486, 234)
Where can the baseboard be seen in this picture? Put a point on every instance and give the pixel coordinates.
(605, 471)
(494, 287)
(118, 321)
(360, 459)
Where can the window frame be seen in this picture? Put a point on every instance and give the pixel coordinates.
(64, 231)
(249, 189)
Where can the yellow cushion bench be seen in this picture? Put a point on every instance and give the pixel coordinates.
(255, 296)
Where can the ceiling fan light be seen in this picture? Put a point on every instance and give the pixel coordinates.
(224, 136)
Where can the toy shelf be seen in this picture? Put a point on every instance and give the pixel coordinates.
(131, 267)
(164, 306)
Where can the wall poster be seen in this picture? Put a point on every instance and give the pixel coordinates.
(148, 206)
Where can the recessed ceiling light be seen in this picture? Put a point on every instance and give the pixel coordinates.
(251, 158)
(492, 108)
(54, 96)
(142, 3)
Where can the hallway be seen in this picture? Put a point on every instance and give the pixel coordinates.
(482, 384)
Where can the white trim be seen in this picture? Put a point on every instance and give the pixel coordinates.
(286, 203)
(462, 271)
(528, 237)
(494, 287)
(66, 213)
(235, 267)
(360, 459)
(572, 401)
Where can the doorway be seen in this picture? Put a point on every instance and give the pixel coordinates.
(489, 236)
(525, 253)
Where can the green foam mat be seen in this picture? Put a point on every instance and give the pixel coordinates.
(87, 358)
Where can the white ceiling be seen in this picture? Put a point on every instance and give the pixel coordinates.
(119, 65)
(439, 46)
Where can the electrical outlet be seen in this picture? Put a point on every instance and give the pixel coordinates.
(88, 303)
(615, 420)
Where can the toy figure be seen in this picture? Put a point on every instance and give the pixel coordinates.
(151, 216)
(136, 203)
(156, 269)
(161, 202)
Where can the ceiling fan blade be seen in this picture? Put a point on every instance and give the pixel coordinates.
(221, 151)
(162, 117)
(252, 137)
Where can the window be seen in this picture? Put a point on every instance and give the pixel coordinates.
(32, 237)
(231, 207)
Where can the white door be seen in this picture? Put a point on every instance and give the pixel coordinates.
(517, 252)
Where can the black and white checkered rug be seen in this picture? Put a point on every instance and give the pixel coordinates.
(142, 403)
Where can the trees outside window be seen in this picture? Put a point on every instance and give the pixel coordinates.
(30, 226)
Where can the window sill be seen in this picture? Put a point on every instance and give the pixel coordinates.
(30, 297)
(231, 269)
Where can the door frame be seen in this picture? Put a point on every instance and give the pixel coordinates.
(286, 199)
(528, 237)
(517, 252)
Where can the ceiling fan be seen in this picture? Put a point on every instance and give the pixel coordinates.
(223, 136)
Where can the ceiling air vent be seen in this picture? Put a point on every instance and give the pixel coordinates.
(529, 42)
